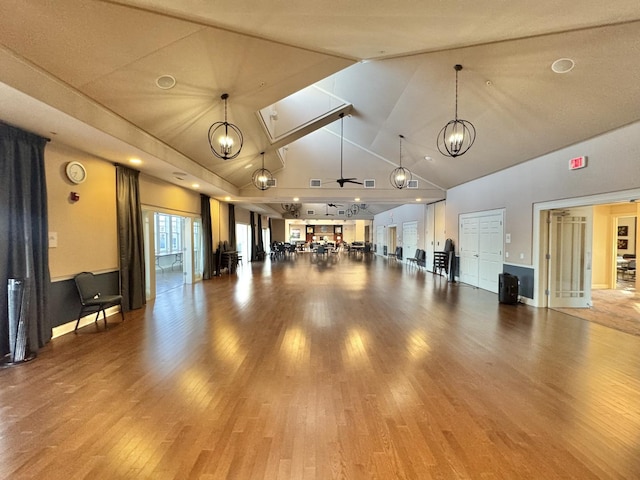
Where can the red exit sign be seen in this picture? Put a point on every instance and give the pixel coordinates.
(578, 162)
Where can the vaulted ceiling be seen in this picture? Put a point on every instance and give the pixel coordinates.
(85, 74)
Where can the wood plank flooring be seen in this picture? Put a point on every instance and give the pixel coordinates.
(297, 369)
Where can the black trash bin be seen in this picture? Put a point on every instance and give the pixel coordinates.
(508, 288)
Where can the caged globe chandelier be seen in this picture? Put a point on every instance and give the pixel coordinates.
(457, 136)
(400, 177)
(262, 178)
(225, 139)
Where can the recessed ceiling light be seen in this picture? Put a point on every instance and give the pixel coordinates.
(428, 158)
(227, 198)
(357, 199)
(135, 161)
(295, 199)
(165, 82)
(195, 185)
(563, 65)
(418, 199)
(249, 165)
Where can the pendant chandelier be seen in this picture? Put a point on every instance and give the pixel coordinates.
(225, 139)
(400, 177)
(262, 178)
(457, 136)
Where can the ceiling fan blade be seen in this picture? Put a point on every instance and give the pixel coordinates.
(342, 181)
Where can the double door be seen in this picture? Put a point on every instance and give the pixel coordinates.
(481, 249)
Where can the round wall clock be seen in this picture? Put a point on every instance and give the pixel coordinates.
(76, 172)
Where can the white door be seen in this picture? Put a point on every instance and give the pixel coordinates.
(570, 241)
(490, 251)
(469, 250)
(481, 249)
(409, 239)
(430, 235)
(379, 240)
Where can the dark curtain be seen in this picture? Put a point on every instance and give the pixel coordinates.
(232, 227)
(260, 241)
(24, 234)
(207, 238)
(130, 239)
(252, 221)
(270, 232)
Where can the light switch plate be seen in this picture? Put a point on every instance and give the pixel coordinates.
(53, 239)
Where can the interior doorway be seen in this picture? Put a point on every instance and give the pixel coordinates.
(609, 305)
(173, 251)
(392, 240)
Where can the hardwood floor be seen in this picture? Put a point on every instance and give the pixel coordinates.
(350, 370)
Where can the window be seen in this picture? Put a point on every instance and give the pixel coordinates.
(169, 230)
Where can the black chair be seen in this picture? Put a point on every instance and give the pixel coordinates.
(422, 259)
(91, 300)
(631, 269)
(440, 262)
(414, 259)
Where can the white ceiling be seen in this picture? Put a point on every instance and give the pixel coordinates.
(86, 70)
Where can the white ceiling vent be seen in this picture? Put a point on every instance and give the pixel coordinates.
(370, 183)
(271, 182)
(412, 184)
(311, 212)
(341, 212)
(315, 183)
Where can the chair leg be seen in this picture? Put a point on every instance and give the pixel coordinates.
(122, 312)
(78, 321)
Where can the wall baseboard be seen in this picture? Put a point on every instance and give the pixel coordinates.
(69, 327)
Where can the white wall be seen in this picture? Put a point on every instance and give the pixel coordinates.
(396, 217)
(613, 165)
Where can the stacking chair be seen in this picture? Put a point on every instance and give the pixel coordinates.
(631, 268)
(92, 300)
(414, 259)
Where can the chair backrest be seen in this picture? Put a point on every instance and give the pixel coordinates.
(631, 265)
(448, 245)
(320, 248)
(86, 285)
(417, 255)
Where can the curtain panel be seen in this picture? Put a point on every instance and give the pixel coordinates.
(232, 227)
(207, 238)
(260, 240)
(130, 239)
(252, 226)
(24, 233)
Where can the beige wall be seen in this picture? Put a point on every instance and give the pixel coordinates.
(278, 230)
(162, 196)
(86, 229)
(602, 271)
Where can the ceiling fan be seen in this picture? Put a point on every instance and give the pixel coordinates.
(327, 211)
(334, 205)
(341, 181)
